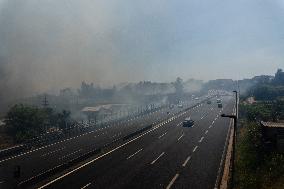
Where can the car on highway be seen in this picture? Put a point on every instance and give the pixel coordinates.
(220, 105)
(188, 122)
(180, 105)
(218, 100)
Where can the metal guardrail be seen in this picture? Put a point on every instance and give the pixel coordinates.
(12, 150)
(55, 136)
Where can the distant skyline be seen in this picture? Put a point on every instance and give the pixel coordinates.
(46, 45)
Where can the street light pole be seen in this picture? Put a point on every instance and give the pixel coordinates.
(236, 105)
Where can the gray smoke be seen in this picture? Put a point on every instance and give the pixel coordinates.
(47, 45)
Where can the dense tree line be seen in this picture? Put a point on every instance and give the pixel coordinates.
(269, 89)
(266, 111)
(279, 77)
(25, 122)
(267, 92)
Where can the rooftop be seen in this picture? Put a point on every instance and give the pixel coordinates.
(100, 107)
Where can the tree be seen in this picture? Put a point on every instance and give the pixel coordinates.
(178, 84)
(63, 119)
(24, 122)
(279, 77)
(277, 110)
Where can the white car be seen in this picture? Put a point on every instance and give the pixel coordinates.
(180, 105)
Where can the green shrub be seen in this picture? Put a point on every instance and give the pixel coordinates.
(255, 167)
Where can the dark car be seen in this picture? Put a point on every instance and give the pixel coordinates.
(188, 122)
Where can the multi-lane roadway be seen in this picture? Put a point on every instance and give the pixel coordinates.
(166, 156)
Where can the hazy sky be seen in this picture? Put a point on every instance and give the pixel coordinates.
(50, 44)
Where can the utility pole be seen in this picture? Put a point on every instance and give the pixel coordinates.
(45, 105)
(45, 102)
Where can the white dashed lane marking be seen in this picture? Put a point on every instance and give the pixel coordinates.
(195, 148)
(162, 135)
(52, 152)
(134, 154)
(86, 185)
(158, 158)
(70, 154)
(172, 181)
(186, 161)
(180, 137)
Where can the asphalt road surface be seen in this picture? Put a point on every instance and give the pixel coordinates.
(166, 156)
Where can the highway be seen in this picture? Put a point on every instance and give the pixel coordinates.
(41, 159)
(166, 156)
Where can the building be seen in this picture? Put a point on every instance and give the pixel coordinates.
(273, 132)
(96, 112)
(100, 112)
